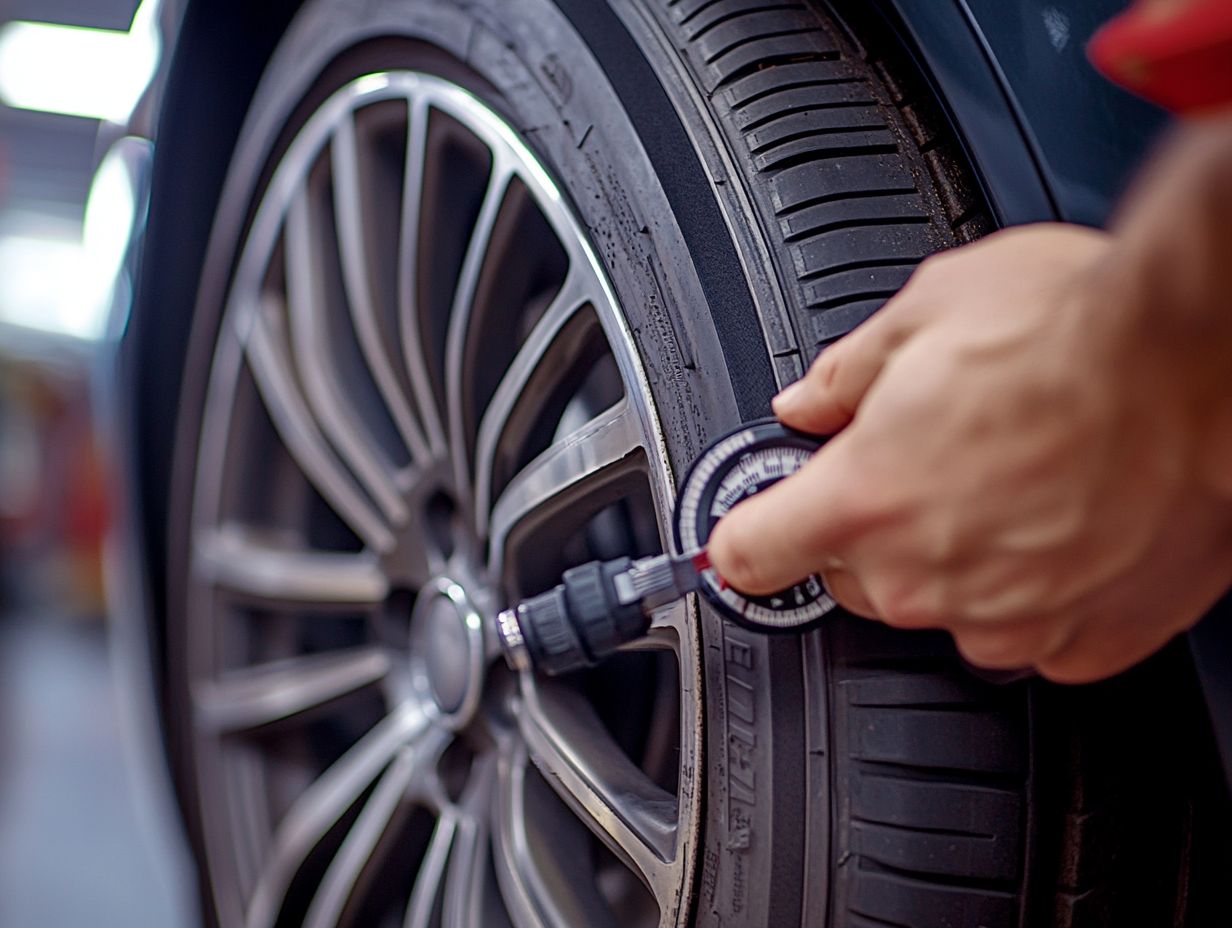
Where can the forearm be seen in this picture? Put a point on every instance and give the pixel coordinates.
(1174, 233)
(1170, 271)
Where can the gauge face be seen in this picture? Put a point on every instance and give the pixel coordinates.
(736, 467)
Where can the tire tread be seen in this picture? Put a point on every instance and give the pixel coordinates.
(834, 162)
(937, 813)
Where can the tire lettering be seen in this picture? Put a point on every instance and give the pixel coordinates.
(741, 736)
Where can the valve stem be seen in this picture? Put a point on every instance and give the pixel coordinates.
(595, 609)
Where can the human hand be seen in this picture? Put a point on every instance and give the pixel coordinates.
(1022, 459)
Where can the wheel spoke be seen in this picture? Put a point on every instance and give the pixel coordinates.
(512, 387)
(358, 847)
(464, 884)
(348, 200)
(556, 478)
(233, 559)
(323, 803)
(635, 817)
(311, 347)
(545, 883)
(267, 693)
(432, 872)
(462, 310)
(524, 896)
(408, 302)
(269, 360)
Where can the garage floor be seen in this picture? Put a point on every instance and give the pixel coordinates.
(80, 842)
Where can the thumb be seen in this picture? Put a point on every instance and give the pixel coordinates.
(826, 398)
(787, 531)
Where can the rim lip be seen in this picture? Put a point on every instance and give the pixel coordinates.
(234, 324)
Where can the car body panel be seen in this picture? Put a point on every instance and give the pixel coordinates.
(1089, 134)
(1051, 137)
(951, 55)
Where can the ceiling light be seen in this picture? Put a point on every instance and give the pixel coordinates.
(94, 73)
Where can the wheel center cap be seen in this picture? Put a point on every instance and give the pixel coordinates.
(447, 650)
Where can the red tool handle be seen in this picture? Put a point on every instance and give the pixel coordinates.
(1178, 54)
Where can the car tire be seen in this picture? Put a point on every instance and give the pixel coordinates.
(754, 181)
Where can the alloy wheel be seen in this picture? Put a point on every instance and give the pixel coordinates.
(425, 402)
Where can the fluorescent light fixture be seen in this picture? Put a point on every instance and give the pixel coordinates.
(41, 286)
(95, 73)
(64, 285)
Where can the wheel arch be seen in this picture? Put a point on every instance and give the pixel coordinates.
(218, 57)
(949, 51)
(219, 54)
(1048, 143)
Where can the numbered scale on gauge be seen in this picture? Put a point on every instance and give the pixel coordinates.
(738, 466)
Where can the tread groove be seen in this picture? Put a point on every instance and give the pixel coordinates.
(969, 779)
(825, 154)
(692, 14)
(824, 198)
(971, 212)
(858, 223)
(923, 830)
(805, 134)
(849, 298)
(752, 67)
(816, 107)
(861, 265)
(734, 15)
(995, 888)
(806, 84)
(874, 921)
(751, 39)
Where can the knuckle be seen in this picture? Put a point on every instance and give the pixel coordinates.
(824, 371)
(1068, 670)
(1071, 655)
(845, 590)
(994, 650)
(920, 605)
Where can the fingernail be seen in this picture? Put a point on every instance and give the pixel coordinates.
(788, 397)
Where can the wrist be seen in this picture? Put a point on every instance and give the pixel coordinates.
(1166, 361)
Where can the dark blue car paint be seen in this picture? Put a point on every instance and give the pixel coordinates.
(1051, 137)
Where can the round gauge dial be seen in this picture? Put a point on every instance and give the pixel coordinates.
(738, 466)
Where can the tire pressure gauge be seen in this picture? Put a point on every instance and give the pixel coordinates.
(601, 605)
(735, 467)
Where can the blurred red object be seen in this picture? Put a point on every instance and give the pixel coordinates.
(53, 505)
(1176, 53)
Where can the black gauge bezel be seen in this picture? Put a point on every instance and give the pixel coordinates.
(697, 492)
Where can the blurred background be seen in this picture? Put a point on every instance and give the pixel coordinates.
(86, 834)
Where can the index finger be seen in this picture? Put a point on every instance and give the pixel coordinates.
(794, 528)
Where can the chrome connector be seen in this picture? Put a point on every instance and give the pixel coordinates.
(656, 581)
(512, 641)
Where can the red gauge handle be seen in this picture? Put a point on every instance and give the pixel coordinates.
(1178, 55)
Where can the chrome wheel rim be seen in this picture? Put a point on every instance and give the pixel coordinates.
(389, 452)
